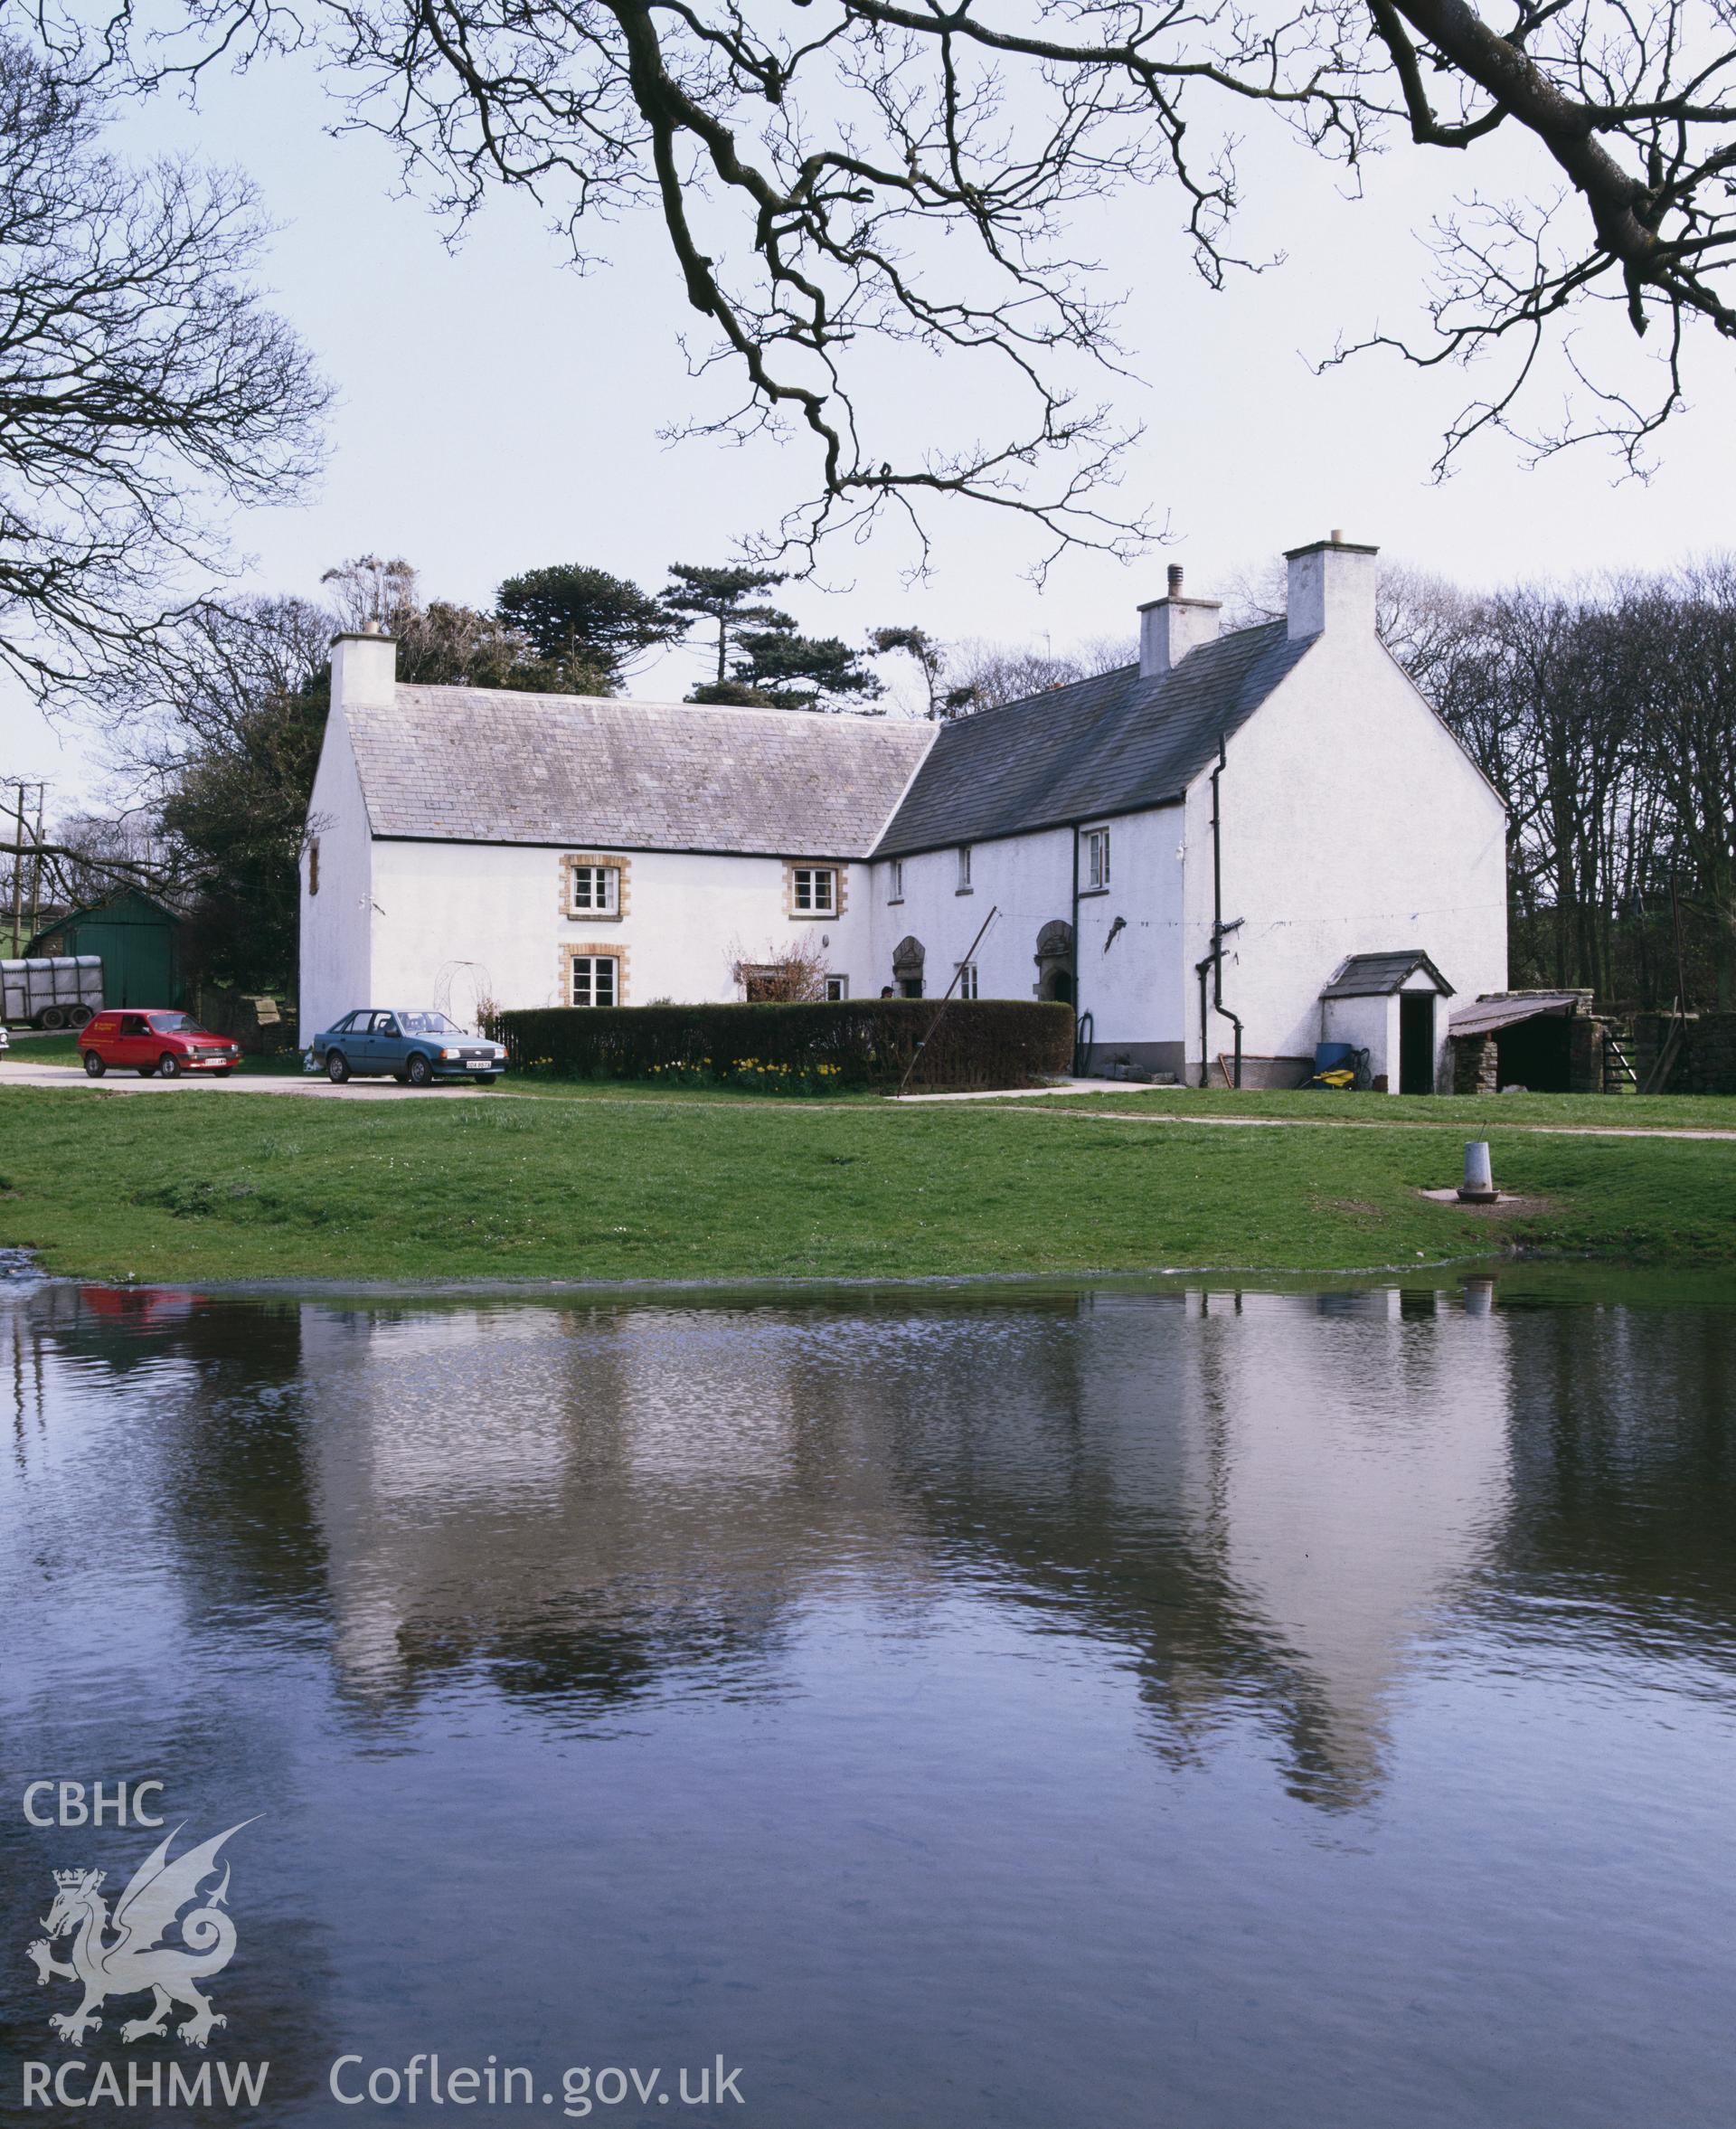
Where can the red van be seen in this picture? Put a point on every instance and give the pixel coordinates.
(161, 1043)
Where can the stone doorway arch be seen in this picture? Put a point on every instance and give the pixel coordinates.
(907, 957)
(1055, 960)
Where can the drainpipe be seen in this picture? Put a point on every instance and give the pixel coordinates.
(1220, 932)
(1073, 952)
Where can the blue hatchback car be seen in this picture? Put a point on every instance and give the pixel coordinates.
(417, 1048)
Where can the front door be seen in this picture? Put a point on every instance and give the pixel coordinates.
(1416, 1042)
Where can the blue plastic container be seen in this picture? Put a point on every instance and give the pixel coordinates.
(1332, 1057)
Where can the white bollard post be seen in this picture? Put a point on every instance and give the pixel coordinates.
(1478, 1186)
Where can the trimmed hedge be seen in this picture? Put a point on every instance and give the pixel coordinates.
(854, 1043)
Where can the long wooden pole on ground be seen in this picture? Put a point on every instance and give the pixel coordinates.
(970, 955)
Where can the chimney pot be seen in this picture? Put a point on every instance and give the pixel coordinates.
(1337, 537)
(1174, 580)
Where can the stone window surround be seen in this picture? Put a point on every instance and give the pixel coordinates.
(609, 950)
(840, 884)
(623, 866)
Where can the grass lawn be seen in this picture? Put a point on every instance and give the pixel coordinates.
(1457, 1113)
(472, 1186)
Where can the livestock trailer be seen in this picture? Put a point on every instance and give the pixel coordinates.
(62, 991)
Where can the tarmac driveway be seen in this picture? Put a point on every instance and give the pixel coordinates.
(17, 1072)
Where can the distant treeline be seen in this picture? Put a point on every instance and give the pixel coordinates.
(1607, 720)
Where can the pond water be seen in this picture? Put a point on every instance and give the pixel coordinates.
(1083, 1709)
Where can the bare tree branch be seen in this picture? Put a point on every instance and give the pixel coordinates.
(912, 175)
(144, 391)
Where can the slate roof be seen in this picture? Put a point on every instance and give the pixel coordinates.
(1111, 744)
(486, 765)
(1379, 975)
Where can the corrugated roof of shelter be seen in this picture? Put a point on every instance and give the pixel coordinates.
(1488, 1014)
(486, 765)
(1379, 975)
(1111, 745)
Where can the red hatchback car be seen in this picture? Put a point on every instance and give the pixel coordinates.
(155, 1042)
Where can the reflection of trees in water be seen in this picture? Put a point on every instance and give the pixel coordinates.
(578, 1669)
(161, 1482)
(217, 1424)
(1624, 1475)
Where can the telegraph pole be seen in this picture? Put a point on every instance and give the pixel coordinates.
(36, 865)
(22, 786)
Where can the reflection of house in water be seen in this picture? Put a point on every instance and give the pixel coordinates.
(1261, 1493)
(583, 1500)
(1271, 1487)
(1360, 1473)
(1262, 1499)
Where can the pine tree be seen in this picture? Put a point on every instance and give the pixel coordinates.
(576, 616)
(721, 594)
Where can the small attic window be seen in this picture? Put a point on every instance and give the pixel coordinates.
(1096, 860)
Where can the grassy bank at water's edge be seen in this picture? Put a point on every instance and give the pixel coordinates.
(469, 1186)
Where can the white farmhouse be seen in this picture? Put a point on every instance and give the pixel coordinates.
(1247, 843)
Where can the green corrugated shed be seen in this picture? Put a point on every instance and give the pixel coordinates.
(138, 939)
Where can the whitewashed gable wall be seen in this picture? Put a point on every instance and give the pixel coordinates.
(337, 923)
(1352, 823)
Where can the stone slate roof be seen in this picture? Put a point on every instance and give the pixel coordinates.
(486, 765)
(1379, 975)
(1111, 744)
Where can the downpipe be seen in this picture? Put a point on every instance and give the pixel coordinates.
(1079, 1018)
(1213, 961)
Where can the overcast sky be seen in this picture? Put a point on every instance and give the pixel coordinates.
(496, 412)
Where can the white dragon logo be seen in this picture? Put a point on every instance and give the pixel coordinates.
(134, 1960)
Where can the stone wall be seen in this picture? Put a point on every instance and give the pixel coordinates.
(1585, 1056)
(1475, 1065)
(1705, 1063)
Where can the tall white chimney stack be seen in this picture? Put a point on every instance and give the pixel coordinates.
(1169, 628)
(365, 668)
(1331, 586)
